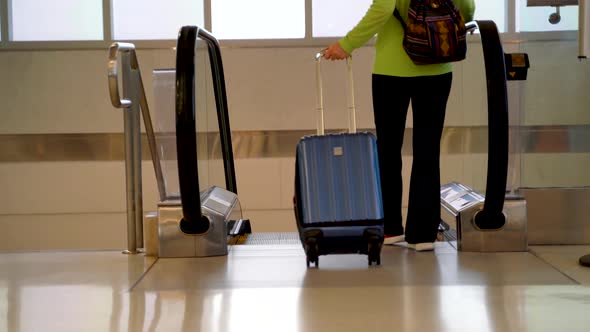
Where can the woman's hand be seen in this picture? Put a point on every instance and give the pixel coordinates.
(335, 52)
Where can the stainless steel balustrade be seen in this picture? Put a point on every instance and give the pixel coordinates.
(134, 99)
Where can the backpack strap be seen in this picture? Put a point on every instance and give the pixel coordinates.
(399, 18)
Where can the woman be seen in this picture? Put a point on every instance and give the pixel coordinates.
(397, 81)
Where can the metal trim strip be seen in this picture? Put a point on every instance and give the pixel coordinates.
(271, 143)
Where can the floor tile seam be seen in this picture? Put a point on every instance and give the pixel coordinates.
(532, 252)
(136, 283)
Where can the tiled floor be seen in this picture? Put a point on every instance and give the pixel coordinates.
(269, 288)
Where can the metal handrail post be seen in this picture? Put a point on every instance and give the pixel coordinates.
(134, 129)
(130, 153)
(132, 132)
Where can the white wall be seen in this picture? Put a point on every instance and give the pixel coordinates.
(81, 205)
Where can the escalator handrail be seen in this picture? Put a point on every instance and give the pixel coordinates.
(186, 137)
(222, 109)
(491, 217)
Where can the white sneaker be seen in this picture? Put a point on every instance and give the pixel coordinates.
(394, 239)
(425, 246)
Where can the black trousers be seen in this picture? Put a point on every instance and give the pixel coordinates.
(391, 98)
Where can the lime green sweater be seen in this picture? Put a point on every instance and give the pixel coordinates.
(390, 56)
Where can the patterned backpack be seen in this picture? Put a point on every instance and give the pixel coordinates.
(434, 32)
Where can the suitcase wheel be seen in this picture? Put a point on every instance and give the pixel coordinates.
(312, 251)
(376, 259)
(309, 261)
(374, 250)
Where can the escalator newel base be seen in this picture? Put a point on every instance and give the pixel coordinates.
(461, 208)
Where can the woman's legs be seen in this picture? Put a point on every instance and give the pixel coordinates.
(391, 98)
(429, 100)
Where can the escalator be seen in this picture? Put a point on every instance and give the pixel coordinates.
(199, 213)
(203, 142)
(494, 221)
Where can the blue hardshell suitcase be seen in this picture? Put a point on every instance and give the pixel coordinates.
(338, 204)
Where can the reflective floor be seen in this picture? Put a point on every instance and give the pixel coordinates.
(269, 288)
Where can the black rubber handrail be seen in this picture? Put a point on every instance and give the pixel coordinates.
(222, 109)
(491, 217)
(193, 221)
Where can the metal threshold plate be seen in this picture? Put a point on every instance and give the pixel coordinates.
(286, 238)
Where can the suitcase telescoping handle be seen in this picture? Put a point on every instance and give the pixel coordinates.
(320, 95)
